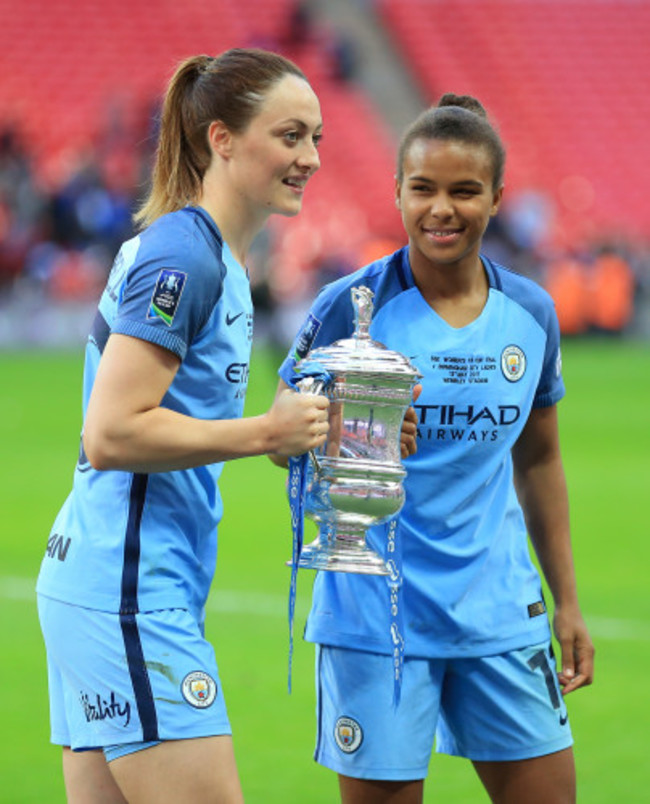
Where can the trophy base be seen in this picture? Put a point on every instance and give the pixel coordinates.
(341, 556)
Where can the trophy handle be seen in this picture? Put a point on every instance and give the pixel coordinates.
(311, 385)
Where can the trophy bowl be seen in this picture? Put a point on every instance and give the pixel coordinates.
(355, 480)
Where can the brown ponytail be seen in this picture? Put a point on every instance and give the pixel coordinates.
(229, 88)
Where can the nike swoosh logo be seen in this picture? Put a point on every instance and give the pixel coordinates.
(230, 319)
(563, 719)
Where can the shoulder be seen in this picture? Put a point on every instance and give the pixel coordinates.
(186, 235)
(331, 315)
(523, 291)
(383, 277)
(186, 242)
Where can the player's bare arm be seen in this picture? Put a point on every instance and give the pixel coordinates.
(542, 490)
(126, 427)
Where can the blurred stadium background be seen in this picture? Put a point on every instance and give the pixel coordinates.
(565, 80)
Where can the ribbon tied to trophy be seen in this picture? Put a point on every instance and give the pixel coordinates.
(354, 480)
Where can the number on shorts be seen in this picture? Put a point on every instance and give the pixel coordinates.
(539, 660)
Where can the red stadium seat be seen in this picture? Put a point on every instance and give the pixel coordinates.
(68, 67)
(563, 80)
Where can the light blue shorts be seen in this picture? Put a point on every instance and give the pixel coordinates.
(124, 682)
(494, 708)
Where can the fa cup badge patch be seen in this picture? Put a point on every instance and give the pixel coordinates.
(167, 295)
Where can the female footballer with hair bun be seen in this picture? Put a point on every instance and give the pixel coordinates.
(476, 672)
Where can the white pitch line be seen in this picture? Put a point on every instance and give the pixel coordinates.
(258, 603)
(221, 600)
(617, 629)
(263, 604)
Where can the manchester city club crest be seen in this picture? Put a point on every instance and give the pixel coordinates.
(348, 734)
(513, 363)
(199, 689)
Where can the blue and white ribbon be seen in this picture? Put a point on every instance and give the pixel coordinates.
(297, 474)
(394, 580)
(297, 489)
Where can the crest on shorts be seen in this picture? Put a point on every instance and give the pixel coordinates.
(513, 363)
(199, 689)
(348, 734)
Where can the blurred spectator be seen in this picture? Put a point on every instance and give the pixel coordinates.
(22, 205)
(611, 290)
(528, 216)
(59, 231)
(343, 56)
(87, 210)
(300, 24)
(566, 281)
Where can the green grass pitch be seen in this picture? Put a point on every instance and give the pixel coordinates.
(606, 446)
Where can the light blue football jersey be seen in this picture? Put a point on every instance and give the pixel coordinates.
(469, 586)
(126, 542)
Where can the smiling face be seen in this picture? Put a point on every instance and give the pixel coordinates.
(446, 198)
(273, 158)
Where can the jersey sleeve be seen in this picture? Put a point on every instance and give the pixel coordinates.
(539, 304)
(330, 318)
(169, 292)
(551, 385)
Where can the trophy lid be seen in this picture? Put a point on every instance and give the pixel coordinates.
(360, 355)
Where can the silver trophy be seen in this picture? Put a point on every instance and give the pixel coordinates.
(354, 480)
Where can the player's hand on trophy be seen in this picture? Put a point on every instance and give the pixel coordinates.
(297, 422)
(408, 437)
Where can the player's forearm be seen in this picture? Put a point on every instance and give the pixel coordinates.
(162, 440)
(155, 439)
(543, 494)
(279, 460)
